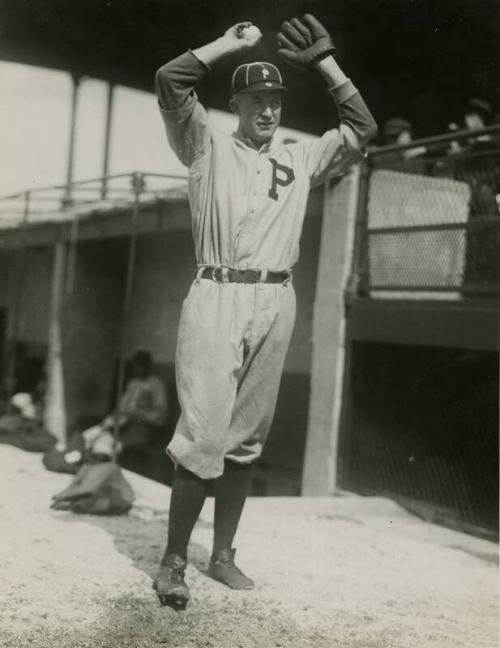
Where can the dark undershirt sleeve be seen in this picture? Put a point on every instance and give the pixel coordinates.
(175, 81)
(354, 112)
(185, 118)
(339, 148)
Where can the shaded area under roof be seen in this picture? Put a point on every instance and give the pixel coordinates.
(417, 58)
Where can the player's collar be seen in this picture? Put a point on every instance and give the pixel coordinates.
(250, 143)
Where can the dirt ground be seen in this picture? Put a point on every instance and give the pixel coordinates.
(343, 572)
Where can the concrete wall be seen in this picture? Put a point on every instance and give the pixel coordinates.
(91, 324)
(164, 270)
(35, 295)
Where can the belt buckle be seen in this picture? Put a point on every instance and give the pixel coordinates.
(214, 274)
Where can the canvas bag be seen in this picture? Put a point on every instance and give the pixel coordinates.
(98, 489)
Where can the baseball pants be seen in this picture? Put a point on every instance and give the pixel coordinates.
(231, 348)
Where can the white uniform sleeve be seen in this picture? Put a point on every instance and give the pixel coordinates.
(188, 132)
(332, 154)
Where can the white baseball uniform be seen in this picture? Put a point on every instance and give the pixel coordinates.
(248, 206)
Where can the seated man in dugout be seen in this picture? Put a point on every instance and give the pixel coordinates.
(140, 415)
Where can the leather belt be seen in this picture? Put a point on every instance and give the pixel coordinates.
(222, 275)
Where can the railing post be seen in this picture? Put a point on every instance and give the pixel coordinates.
(361, 250)
(18, 298)
(107, 140)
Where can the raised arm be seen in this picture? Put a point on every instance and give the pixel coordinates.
(185, 118)
(307, 44)
(350, 105)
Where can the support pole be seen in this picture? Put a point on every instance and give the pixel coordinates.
(107, 139)
(18, 300)
(55, 404)
(72, 253)
(67, 200)
(337, 234)
(138, 186)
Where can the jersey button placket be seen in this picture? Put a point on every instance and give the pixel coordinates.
(243, 243)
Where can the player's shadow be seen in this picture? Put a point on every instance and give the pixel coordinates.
(143, 542)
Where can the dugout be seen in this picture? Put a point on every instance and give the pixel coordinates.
(391, 383)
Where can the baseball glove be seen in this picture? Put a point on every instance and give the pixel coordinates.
(304, 42)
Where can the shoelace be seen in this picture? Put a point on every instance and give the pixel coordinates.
(224, 561)
(176, 573)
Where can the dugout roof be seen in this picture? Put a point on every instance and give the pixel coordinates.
(417, 58)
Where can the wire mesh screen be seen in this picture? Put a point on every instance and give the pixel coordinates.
(400, 260)
(433, 224)
(423, 428)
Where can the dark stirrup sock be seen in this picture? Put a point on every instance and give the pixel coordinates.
(188, 495)
(230, 492)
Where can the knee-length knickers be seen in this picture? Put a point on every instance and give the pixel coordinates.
(231, 348)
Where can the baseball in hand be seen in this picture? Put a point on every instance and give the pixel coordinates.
(250, 33)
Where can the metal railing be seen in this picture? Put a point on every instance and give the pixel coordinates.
(80, 198)
(429, 218)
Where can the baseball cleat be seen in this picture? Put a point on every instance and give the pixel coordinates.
(223, 569)
(169, 583)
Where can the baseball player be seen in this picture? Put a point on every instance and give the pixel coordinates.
(248, 199)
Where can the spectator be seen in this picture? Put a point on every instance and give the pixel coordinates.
(477, 115)
(398, 131)
(477, 163)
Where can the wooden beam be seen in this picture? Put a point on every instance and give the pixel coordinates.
(463, 324)
(158, 217)
(339, 214)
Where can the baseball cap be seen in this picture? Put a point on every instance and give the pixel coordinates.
(477, 104)
(259, 75)
(396, 125)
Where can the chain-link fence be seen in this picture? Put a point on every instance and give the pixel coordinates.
(420, 419)
(421, 427)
